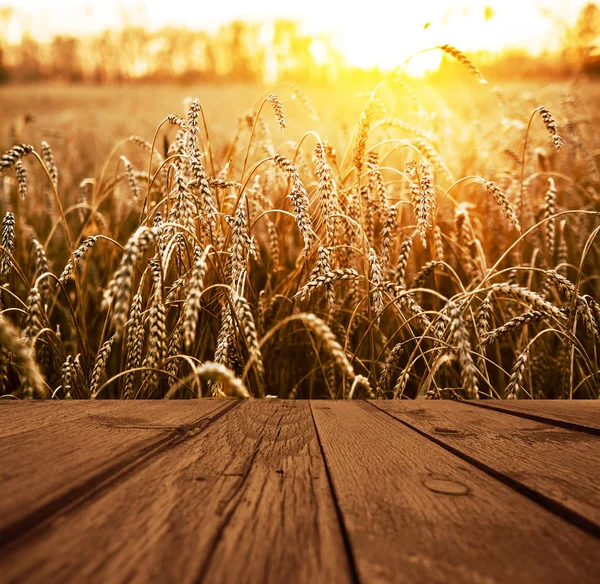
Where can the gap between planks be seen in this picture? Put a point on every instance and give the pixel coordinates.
(416, 513)
(94, 484)
(585, 418)
(558, 472)
(245, 500)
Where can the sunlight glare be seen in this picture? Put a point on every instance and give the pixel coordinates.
(383, 36)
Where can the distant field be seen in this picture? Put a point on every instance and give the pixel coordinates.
(96, 117)
(91, 119)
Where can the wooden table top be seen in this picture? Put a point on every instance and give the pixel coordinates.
(299, 491)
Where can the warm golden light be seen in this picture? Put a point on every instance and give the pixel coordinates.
(383, 35)
(309, 200)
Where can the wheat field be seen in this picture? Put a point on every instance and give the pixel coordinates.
(417, 244)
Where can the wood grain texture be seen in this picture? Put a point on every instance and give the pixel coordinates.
(579, 413)
(416, 513)
(245, 500)
(563, 465)
(46, 463)
(17, 417)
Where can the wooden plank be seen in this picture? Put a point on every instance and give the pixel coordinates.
(558, 464)
(416, 513)
(583, 415)
(44, 467)
(247, 500)
(17, 417)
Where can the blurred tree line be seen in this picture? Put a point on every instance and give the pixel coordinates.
(253, 52)
(239, 51)
(578, 53)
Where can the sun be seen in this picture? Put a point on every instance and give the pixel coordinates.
(411, 55)
(387, 42)
(423, 63)
(386, 48)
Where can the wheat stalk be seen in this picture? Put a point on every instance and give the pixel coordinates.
(406, 302)
(135, 343)
(326, 192)
(135, 190)
(191, 307)
(428, 269)
(562, 254)
(362, 135)
(34, 319)
(197, 168)
(224, 340)
(434, 158)
(241, 244)
(528, 297)
(22, 357)
(376, 278)
(551, 126)
(48, 156)
(100, 366)
(14, 155)
(376, 184)
(582, 306)
(459, 338)
(549, 210)
(515, 383)
(157, 326)
(403, 260)
(8, 244)
(391, 363)
(119, 288)
(67, 376)
(224, 376)
(331, 345)
(462, 58)
(298, 94)
(425, 202)
(246, 320)
(21, 173)
(278, 110)
(299, 198)
(325, 280)
(503, 202)
(388, 233)
(86, 245)
(515, 323)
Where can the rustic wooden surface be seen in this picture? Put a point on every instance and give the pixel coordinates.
(551, 464)
(284, 491)
(584, 415)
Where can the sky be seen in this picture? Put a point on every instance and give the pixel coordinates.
(374, 33)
